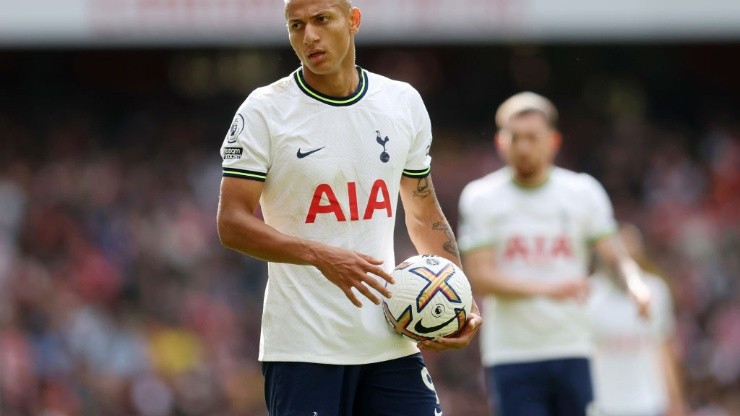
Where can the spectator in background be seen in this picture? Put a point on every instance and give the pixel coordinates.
(634, 361)
(526, 233)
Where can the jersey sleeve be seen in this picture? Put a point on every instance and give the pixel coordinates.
(601, 222)
(474, 229)
(418, 163)
(246, 148)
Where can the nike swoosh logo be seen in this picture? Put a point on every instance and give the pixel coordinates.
(301, 155)
(426, 330)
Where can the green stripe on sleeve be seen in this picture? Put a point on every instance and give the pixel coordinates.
(244, 174)
(421, 173)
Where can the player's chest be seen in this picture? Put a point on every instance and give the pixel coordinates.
(548, 212)
(342, 141)
(539, 230)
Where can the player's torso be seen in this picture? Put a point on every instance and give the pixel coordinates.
(334, 177)
(625, 362)
(541, 231)
(336, 166)
(616, 327)
(538, 234)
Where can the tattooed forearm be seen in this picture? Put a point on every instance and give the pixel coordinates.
(450, 245)
(423, 189)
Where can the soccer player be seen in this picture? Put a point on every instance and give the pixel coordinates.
(527, 232)
(633, 362)
(325, 152)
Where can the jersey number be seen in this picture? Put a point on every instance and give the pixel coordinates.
(325, 201)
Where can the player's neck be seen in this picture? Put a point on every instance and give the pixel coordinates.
(339, 84)
(534, 181)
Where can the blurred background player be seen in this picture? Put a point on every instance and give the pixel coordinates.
(326, 152)
(526, 232)
(633, 363)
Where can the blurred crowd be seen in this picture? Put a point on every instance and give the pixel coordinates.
(116, 297)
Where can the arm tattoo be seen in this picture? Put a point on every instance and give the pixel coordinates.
(450, 245)
(423, 189)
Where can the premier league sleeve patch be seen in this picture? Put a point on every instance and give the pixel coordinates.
(232, 153)
(245, 149)
(236, 128)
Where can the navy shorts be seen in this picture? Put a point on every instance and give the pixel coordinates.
(559, 387)
(400, 387)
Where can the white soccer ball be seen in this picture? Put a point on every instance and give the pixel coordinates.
(431, 298)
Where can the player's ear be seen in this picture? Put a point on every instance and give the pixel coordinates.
(557, 140)
(355, 17)
(498, 141)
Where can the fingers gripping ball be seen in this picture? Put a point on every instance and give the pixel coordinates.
(431, 298)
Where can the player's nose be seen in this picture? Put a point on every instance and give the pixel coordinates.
(310, 35)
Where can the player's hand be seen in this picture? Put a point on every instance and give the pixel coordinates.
(348, 269)
(461, 338)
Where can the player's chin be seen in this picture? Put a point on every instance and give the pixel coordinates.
(526, 170)
(319, 68)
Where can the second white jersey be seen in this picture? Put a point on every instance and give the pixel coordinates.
(538, 234)
(332, 169)
(626, 364)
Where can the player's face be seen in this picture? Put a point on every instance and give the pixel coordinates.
(321, 34)
(529, 144)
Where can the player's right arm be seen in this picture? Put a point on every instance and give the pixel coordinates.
(241, 230)
(486, 279)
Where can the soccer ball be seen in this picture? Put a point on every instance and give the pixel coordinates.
(431, 298)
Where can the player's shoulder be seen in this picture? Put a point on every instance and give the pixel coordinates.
(487, 185)
(280, 87)
(270, 94)
(570, 176)
(580, 181)
(388, 85)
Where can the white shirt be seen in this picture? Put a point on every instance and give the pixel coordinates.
(539, 234)
(332, 169)
(626, 366)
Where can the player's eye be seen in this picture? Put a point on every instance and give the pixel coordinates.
(322, 19)
(295, 26)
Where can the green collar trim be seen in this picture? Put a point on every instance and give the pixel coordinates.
(327, 99)
(527, 186)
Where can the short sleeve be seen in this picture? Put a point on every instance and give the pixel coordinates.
(246, 148)
(475, 228)
(601, 222)
(418, 163)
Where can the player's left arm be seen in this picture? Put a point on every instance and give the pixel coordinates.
(612, 250)
(431, 234)
(427, 226)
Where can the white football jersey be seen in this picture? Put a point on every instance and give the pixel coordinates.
(542, 234)
(626, 364)
(332, 169)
